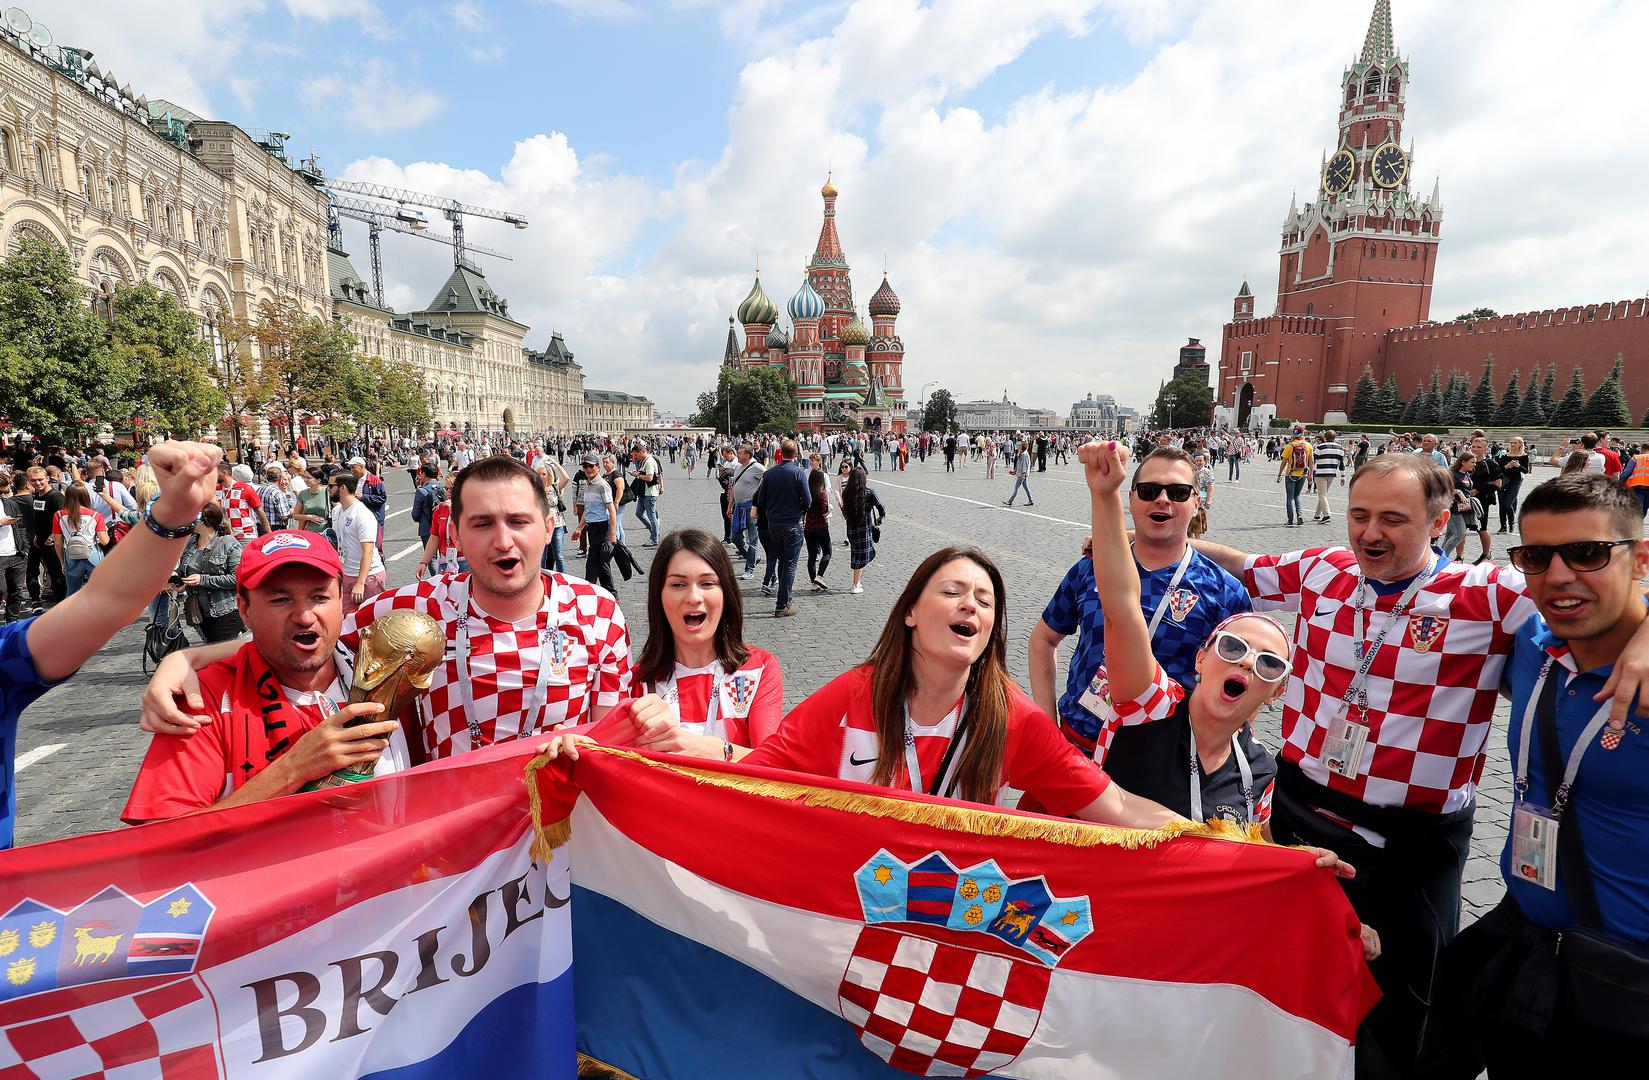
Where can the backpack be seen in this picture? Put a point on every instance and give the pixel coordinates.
(78, 544)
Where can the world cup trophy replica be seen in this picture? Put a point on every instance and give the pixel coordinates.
(398, 655)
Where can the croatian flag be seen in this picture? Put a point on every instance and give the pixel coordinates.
(738, 921)
(395, 928)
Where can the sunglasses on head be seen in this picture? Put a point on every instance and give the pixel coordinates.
(1581, 556)
(1268, 666)
(1149, 490)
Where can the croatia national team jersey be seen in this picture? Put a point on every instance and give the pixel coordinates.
(749, 703)
(833, 733)
(1204, 597)
(1432, 688)
(578, 631)
(240, 502)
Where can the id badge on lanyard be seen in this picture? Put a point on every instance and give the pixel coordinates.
(552, 660)
(1534, 827)
(1347, 738)
(1096, 697)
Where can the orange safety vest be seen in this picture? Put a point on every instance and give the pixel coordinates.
(1640, 472)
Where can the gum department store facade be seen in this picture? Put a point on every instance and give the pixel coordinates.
(137, 189)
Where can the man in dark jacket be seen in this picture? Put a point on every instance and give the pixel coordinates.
(430, 494)
(781, 501)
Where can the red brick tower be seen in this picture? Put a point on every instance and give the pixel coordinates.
(828, 273)
(1355, 262)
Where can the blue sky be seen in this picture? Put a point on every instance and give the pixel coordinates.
(1065, 190)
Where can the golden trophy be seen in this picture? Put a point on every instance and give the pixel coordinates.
(398, 654)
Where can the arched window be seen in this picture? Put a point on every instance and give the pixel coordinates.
(1392, 84)
(1311, 309)
(88, 184)
(171, 220)
(149, 210)
(217, 240)
(1351, 91)
(1371, 83)
(41, 172)
(111, 188)
(8, 150)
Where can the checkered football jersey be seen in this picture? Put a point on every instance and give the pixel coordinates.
(153, 1033)
(505, 657)
(240, 502)
(1431, 690)
(1212, 594)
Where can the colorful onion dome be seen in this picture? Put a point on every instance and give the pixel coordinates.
(829, 189)
(778, 339)
(885, 301)
(854, 333)
(806, 304)
(757, 308)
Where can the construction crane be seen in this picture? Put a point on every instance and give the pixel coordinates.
(377, 218)
(454, 210)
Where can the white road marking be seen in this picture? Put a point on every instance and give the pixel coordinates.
(976, 502)
(397, 513)
(404, 552)
(38, 754)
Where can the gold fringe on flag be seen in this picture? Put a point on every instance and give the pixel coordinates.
(547, 836)
(978, 821)
(589, 1067)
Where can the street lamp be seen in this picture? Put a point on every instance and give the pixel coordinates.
(922, 405)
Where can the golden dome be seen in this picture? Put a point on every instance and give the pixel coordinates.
(829, 189)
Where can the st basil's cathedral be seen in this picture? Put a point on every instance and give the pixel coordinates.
(842, 370)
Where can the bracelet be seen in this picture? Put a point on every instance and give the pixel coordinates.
(726, 750)
(166, 532)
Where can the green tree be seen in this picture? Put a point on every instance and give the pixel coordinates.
(939, 414)
(1456, 408)
(1365, 398)
(1389, 405)
(1547, 401)
(55, 363)
(762, 399)
(1607, 407)
(304, 363)
(1414, 409)
(165, 363)
(1510, 412)
(1186, 401)
(1477, 313)
(1431, 406)
(1571, 411)
(1482, 399)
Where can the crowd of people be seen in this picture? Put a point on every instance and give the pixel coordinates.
(1387, 682)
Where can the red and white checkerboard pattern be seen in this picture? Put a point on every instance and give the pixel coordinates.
(240, 502)
(1430, 707)
(154, 1033)
(939, 1010)
(505, 658)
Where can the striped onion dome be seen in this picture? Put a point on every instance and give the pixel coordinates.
(854, 333)
(757, 308)
(778, 339)
(806, 304)
(885, 301)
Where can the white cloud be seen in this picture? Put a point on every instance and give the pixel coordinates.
(371, 98)
(364, 12)
(602, 10)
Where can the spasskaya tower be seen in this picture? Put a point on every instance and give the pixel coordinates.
(1356, 261)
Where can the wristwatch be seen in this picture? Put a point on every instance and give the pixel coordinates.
(166, 532)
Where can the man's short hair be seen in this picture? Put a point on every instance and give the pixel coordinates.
(789, 449)
(497, 470)
(345, 478)
(429, 471)
(1165, 453)
(1435, 482)
(1579, 491)
(1589, 440)
(746, 448)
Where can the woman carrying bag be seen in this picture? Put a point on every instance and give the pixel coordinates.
(863, 512)
(80, 535)
(207, 572)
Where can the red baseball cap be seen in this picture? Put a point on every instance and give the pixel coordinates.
(267, 553)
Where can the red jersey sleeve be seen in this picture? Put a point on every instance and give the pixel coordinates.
(57, 523)
(250, 494)
(767, 711)
(183, 773)
(1155, 702)
(809, 738)
(1275, 580)
(1042, 764)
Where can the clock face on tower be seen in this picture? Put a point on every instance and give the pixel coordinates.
(1389, 166)
(1337, 173)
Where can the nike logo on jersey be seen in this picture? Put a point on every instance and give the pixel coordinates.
(1329, 610)
(855, 761)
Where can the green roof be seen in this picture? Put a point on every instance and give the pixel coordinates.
(347, 285)
(614, 396)
(466, 292)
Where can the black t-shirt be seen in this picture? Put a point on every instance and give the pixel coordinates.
(1154, 760)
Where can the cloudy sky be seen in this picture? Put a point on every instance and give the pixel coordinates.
(1063, 191)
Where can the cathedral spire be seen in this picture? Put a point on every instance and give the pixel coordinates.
(829, 249)
(731, 354)
(1378, 44)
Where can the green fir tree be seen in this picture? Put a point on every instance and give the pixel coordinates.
(1571, 411)
(1510, 412)
(1607, 407)
(1413, 409)
(1432, 406)
(1390, 402)
(1456, 410)
(1364, 403)
(1482, 399)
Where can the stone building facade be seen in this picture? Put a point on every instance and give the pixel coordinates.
(614, 411)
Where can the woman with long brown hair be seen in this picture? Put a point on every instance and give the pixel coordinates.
(79, 534)
(723, 691)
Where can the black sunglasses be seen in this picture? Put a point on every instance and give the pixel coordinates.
(1149, 490)
(1581, 556)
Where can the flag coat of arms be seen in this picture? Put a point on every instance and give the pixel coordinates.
(396, 928)
(741, 921)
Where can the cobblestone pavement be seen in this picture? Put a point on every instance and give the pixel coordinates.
(80, 746)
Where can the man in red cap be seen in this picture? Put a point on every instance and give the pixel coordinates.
(278, 705)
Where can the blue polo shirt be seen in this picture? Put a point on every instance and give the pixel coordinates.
(1609, 802)
(20, 684)
(1212, 595)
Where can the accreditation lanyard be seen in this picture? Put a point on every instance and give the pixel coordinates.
(712, 713)
(533, 707)
(945, 782)
(1243, 767)
(1572, 767)
(1173, 583)
(1366, 651)
(1098, 702)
